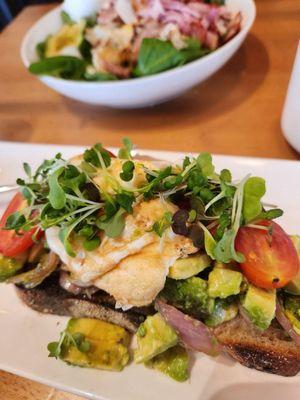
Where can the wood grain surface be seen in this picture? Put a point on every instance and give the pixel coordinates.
(237, 111)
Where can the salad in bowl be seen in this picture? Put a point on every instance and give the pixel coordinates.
(122, 39)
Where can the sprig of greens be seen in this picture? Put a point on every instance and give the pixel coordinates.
(67, 340)
(212, 207)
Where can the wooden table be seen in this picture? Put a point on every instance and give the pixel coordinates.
(237, 111)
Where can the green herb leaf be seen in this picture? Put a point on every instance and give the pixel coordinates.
(54, 349)
(27, 169)
(126, 200)
(127, 171)
(66, 67)
(270, 214)
(64, 238)
(225, 251)
(162, 224)
(114, 226)
(254, 190)
(97, 156)
(66, 19)
(204, 161)
(125, 152)
(15, 221)
(57, 196)
(91, 244)
(225, 176)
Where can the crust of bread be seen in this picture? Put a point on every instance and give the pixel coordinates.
(50, 298)
(270, 351)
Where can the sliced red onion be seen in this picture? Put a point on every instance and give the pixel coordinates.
(193, 334)
(286, 323)
(67, 284)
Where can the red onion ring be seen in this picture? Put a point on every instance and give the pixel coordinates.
(193, 334)
(286, 323)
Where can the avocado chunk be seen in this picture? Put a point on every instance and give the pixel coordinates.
(154, 336)
(224, 282)
(108, 347)
(67, 37)
(292, 311)
(174, 362)
(190, 295)
(293, 287)
(185, 268)
(224, 310)
(9, 267)
(260, 306)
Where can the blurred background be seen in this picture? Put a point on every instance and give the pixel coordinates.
(10, 8)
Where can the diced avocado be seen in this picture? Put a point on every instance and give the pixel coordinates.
(224, 310)
(9, 267)
(190, 295)
(260, 306)
(108, 345)
(293, 287)
(154, 336)
(173, 362)
(224, 282)
(185, 268)
(292, 311)
(68, 36)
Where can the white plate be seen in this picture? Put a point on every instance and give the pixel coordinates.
(24, 334)
(139, 92)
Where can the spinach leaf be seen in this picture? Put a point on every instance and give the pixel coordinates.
(41, 49)
(156, 55)
(66, 67)
(193, 50)
(85, 49)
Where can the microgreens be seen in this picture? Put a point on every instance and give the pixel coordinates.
(212, 207)
(67, 340)
(162, 224)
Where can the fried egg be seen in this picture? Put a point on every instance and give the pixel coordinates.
(132, 267)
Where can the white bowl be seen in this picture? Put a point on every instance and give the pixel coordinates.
(140, 92)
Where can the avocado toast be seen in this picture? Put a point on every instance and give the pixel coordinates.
(182, 255)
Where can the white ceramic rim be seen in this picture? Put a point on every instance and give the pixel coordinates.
(244, 31)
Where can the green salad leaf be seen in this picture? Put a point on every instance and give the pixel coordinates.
(98, 76)
(156, 55)
(66, 67)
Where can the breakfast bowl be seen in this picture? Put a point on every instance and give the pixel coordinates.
(141, 91)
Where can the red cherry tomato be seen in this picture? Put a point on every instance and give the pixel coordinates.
(271, 258)
(12, 244)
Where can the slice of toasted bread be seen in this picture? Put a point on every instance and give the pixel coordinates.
(269, 351)
(50, 298)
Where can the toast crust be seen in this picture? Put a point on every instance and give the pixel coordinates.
(50, 298)
(269, 351)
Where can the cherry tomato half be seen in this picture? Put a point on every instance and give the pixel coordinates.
(12, 244)
(271, 258)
